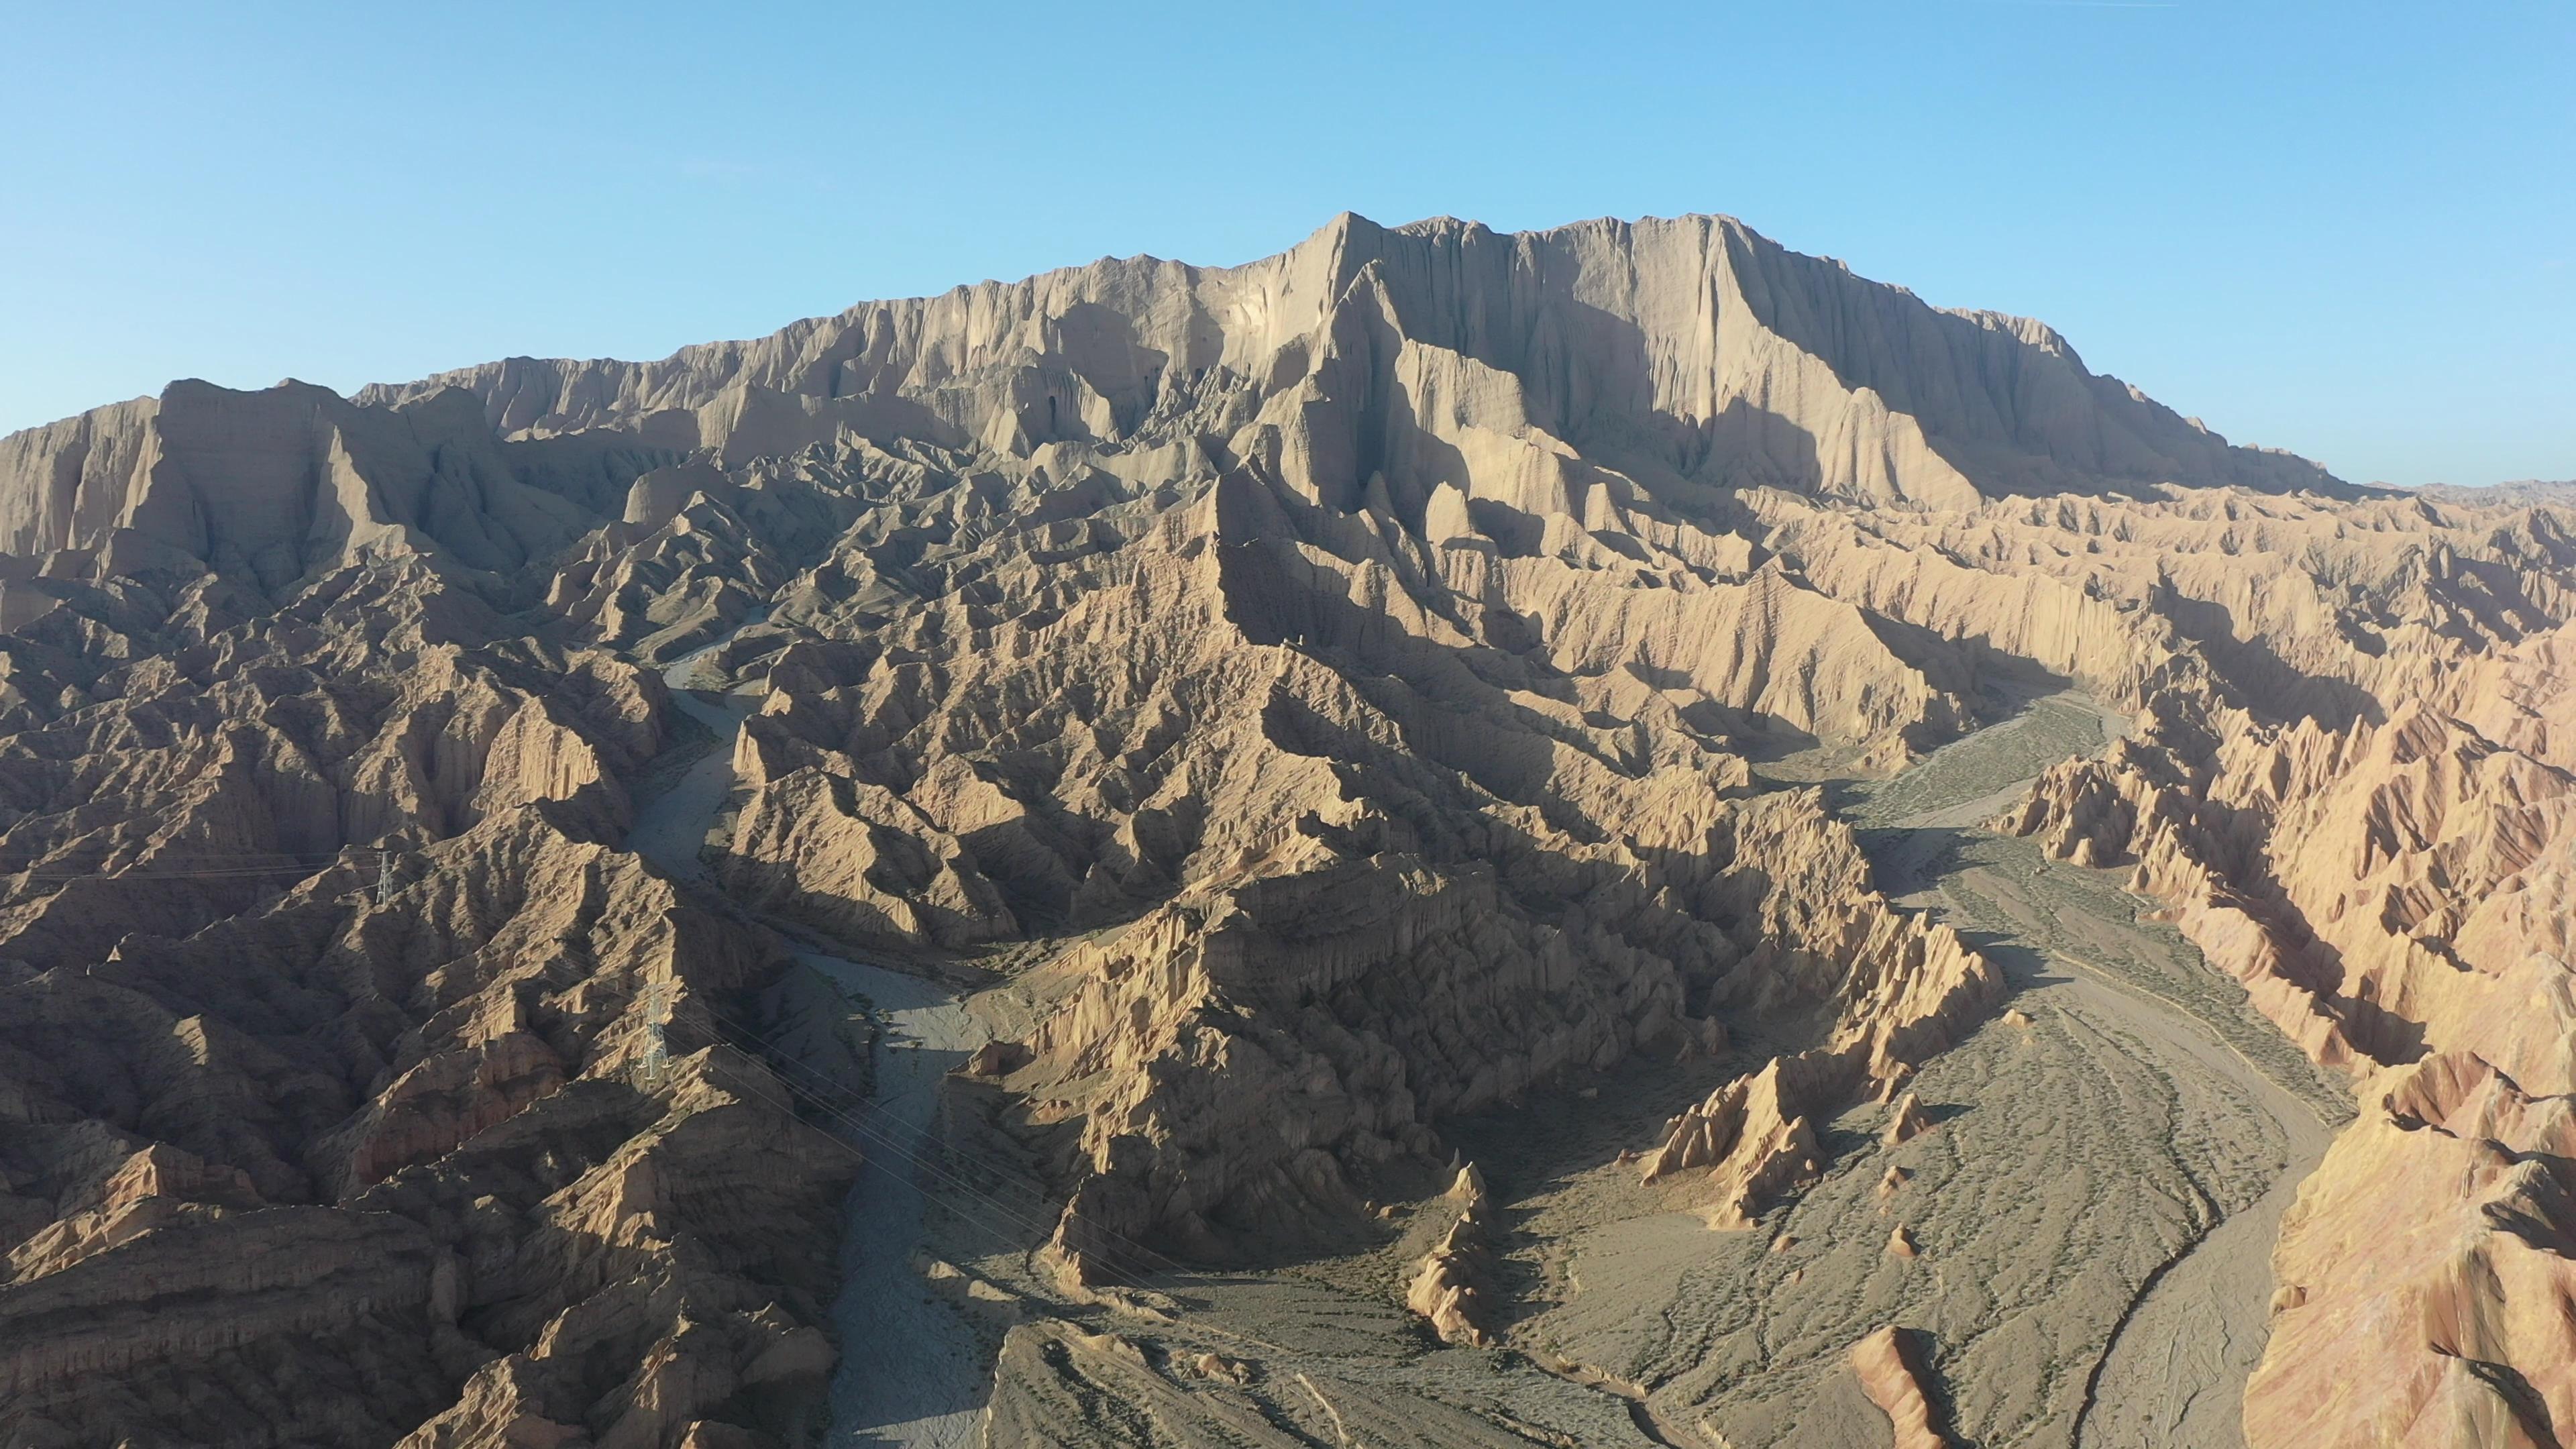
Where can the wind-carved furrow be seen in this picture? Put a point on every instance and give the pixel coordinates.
(1644, 710)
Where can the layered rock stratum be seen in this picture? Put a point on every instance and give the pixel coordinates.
(1424, 681)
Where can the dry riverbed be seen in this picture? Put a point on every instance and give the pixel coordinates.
(2094, 1209)
(912, 1372)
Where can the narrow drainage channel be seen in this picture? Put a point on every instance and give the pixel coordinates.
(910, 1373)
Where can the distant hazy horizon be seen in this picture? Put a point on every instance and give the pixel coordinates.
(2342, 231)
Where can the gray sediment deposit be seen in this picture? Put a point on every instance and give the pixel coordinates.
(1603, 836)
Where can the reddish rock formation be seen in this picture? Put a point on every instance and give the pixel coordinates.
(2479, 1260)
(1889, 1366)
(2393, 887)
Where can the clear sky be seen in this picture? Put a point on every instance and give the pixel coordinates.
(2348, 229)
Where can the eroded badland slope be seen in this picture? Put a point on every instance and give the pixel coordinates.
(1604, 836)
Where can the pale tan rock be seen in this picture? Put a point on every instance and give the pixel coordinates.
(988, 1303)
(1217, 1366)
(1445, 1288)
(996, 1059)
(1468, 1188)
(1853, 427)
(1891, 1374)
(1905, 1122)
(1355, 655)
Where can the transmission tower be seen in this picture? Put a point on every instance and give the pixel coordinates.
(657, 1057)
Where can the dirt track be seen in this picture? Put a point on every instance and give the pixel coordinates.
(911, 1372)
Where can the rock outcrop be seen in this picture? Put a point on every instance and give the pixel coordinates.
(1896, 989)
(1758, 365)
(1451, 1285)
(2478, 1259)
(273, 488)
(1361, 681)
(2383, 850)
(1905, 1122)
(317, 1048)
(1891, 1373)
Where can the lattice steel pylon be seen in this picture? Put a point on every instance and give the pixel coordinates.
(384, 878)
(655, 1064)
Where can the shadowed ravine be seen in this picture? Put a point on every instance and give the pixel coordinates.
(909, 1372)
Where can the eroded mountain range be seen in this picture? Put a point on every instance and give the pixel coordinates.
(1613, 835)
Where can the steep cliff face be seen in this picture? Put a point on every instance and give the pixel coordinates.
(277, 486)
(1362, 680)
(1691, 345)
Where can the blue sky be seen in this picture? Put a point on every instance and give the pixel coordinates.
(2345, 229)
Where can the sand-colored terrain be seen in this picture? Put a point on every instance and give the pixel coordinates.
(1592, 837)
